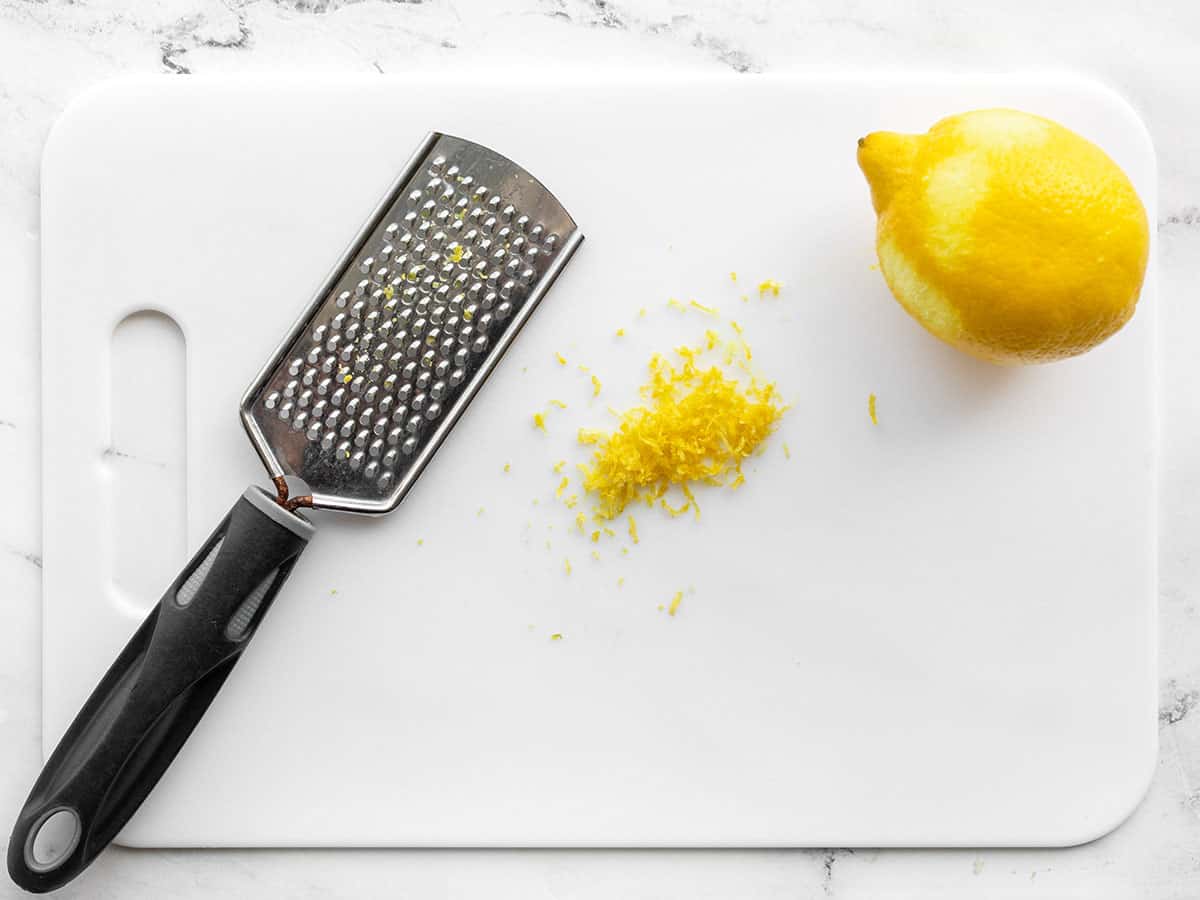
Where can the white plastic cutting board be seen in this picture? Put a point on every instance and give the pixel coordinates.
(939, 630)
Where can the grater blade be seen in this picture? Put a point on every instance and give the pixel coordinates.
(410, 322)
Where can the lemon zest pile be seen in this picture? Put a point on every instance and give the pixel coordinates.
(699, 425)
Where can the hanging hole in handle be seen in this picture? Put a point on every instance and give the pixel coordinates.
(53, 839)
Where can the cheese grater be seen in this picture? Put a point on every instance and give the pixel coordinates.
(353, 404)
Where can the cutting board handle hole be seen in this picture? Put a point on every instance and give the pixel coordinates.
(146, 457)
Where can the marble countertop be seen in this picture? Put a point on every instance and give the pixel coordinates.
(52, 49)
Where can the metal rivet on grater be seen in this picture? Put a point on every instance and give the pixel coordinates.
(413, 319)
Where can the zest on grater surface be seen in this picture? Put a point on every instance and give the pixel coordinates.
(408, 325)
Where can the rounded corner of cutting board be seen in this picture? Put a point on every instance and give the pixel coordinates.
(93, 105)
(1121, 801)
(1121, 106)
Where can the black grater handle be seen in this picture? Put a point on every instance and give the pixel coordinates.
(148, 702)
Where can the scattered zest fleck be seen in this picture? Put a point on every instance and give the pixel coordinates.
(733, 276)
(508, 467)
(539, 421)
(871, 410)
(674, 607)
(596, 555)
(558, 403)
(480, 513)
(621, 582)
(642, 313)
(620, 332)
(595, 386)
(596, 537)
(333, 592)
(633, 535)
(558, 466)
(561, 359)
(556, 636)
(707, 310)
(786, 451)
(420, 542)
(769, 286)
(562, 486)
(567, 566)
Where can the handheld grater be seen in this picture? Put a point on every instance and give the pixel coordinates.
(354, 403)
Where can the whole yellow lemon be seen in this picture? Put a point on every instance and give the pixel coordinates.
(1006, 234)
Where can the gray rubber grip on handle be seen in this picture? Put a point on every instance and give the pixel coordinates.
(151, 698)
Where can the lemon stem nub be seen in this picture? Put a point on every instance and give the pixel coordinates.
(886, 158)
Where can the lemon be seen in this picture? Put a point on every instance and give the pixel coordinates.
(1006, 234)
